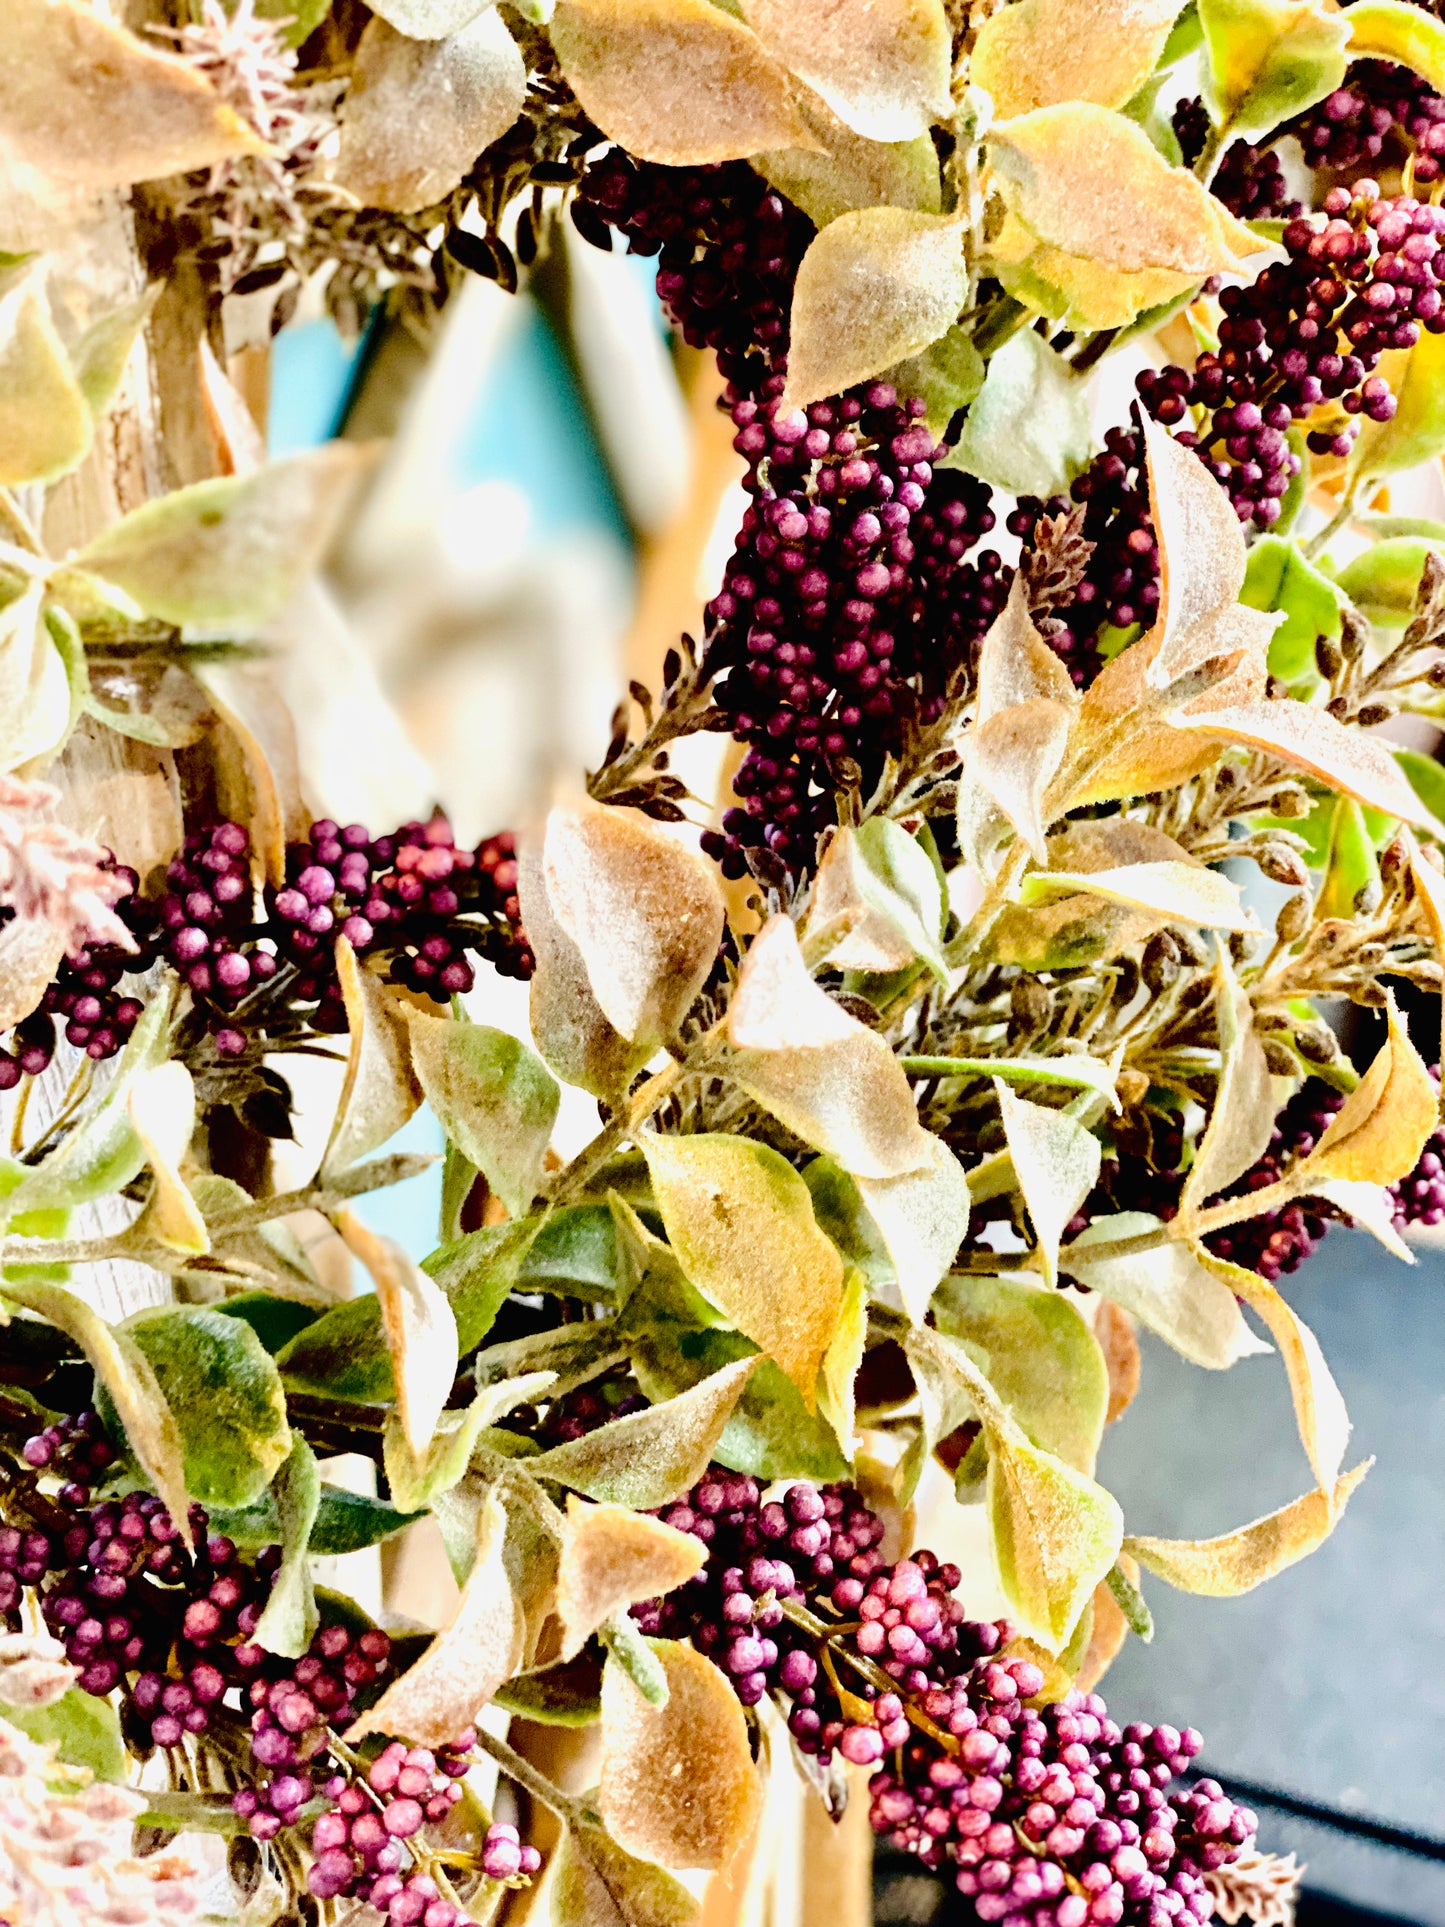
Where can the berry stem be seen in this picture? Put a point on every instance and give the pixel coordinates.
(573, 1812)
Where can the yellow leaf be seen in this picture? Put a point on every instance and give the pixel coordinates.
(418, 112)
(1236, 1562)
(1055, 1534)
(875, 286)
(678, 1783)
(380, 1091)
(442, 1692)
(1267, 60)
(1074, 289)
(1042, 52)
(162, 1107)
(420, 1330)
(85, 100)
(741, 1222)
(1380, 1131)
(45, 422)
(1324, 1424)
(1056, 1162)
(842, 1359)
(883, 66)
(676, 81)
(1241, 1121)
(1089, 182)
(825, 1075)
(645, 912)
(1180, 892)
(612, 1558)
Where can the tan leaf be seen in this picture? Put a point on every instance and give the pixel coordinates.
(420, 1330)
(923, 1217)
(879, 884)
(825, 1075)
(380, 1091)
(741, 1222)
(1202, 555)
(1166, 1289)
(1368, 1206)
(875, 286)
(645, 911)
(1380, 1131)
(1056, 1162)
(1090, 182)
(418, 112)
(842, 1359)
(1073, 289)
(1352, 761)
(85, 100)
(612, 1558)
(45, 423)
(1114, 1329)
(1179, 892)
(1014, 757)
(1042, 52)
(441, 1693)
(1241, 1122)
(162, 1108)
(649, 1458)
(676, 81)
(568, 1024)
(883, 66)
(1324, 1424)
(30, 951)
(1236, 1562)
(1015, 664)
(678, 1783)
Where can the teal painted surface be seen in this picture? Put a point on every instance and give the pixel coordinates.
(311, 371)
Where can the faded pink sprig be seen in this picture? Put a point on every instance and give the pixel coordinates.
(1258, 1887)
(50, 875)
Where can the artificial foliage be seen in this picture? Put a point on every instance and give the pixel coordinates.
(1060, 961)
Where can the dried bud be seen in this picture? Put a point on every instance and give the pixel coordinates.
(1372, 996)
(1355, 634)
(1127, 983)
(1191, 947)
(1281, 864)
(1373, 714)
(1394, 864)
(1328, 658)
(1030, 1003)
(1281, 1060)
(1293, 919)
(1290, 803)
(1242, 944)
(1436, 675)
(1132, 1087)
(1161, 961)
(1316, 1043)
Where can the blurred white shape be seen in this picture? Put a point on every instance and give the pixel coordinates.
(638, 408)
(484, 533)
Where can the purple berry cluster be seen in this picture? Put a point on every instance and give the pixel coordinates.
(294, 1710)
(267, 965)
(1048, 1816)
(1120, 583)
(1380, 105)
(847, 602)
(1249, 180)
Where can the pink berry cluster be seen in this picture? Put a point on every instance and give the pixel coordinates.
(1046, 1815)
(260, 966)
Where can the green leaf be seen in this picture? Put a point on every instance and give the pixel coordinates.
(1038, 1354)
(647, 1458)
(1383, 579)
(839, 1208)
(345, 1522)
(1028, 429)
(854, 173)
(945, 376)
(574, 1255)
(104, 349)
(226, 1395)
(231, 551)
(769, 1432)
(1167, 1289)
(299, 18)
(1352, 865)
(1415, 433)
(1056, 1534)
(1131, 1603)
(1426, 777)
(495, 1099)
(413, 1486)
(568, 1694)
(1391, 30)
(1279, 577)
(290, 1618)
(1267, 60)
(102, 1152)
(275, 1320)
(634, 1654)
(598, 1884)
(741, 1222)
(85, 1730)
(45, 425)
(884, 882)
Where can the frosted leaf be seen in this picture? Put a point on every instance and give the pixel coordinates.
(1043, 52)
(418, 112)
(1015, 664)
(430, 19)
(883, 66)
(494, 1099)
(1014, 756)
(1056, 1162)
(45, 423)
(1237, 1562)
(845, 171)
(874, 287)
(162, 1108)
(1241, 1121)
(1028, 428)
(1380, 1131)
(645, 912)
(420, 1330)
(1202, 555)
(1167, 1289)
(1349, 760)
(882, 882)
(380, 1091)
(1324, 1424)
(84, 100)
(613, 1558)
(678, 1783)
(826, 1076)
(567, 1021)
(1181, 892)
(676, 81)
(1090, 182)
(441, 1693)
(923, 1217)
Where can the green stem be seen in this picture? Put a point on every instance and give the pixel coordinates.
(1339, 520)
(1211, 153)
(572, 1812)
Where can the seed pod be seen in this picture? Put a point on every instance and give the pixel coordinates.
(1281, 1060)
(1290, 803)
(1371, 995)
(1373, 714)
(1128, 981)
(1030, 1003)
(1293, 919)
(1161, 960)
(1394, 864)
(1355, 634)
(1191, 947)
(1316, 1043)
(1281, 864)
(1329, 659)
(1242, 944)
